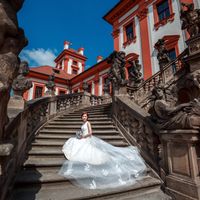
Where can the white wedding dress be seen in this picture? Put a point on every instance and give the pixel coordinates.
(95, 164)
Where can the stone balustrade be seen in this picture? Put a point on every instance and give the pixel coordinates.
(137, 128)
(22, 129)
(167, 75)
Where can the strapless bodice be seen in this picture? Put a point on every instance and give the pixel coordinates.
(84, 129)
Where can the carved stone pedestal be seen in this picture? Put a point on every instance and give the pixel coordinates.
(86, 99)
(121, 91)
(15, 105)
(49, 93)
(194, 53)
(181, 162)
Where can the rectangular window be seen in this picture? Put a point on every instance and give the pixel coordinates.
(74, 71)
(89, 88)
(75, 62)
(163, 10)
(38, 91)
(129, 32)
(61, 92)
(172, 56)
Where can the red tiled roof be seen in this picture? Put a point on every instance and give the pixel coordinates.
(48, 70)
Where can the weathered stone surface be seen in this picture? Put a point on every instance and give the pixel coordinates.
(20, 83)
(166, 116)
(180, 160)
(117, 71)
(162, 55)
(190, 18)
(135, 75)
(50, 86)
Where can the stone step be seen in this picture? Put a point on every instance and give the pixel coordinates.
(54, 150)
(39, 175)
(94, 127)
(64, 190)
(100, 111)
(67, 136)
(72, 132)
(80, 123)
(72, 116)
(47, 142)
(95, 108)
(79, 119)
(44, 162)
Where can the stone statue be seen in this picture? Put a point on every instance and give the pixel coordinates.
(20, 83)
(190, 18)
(51, 85)
(85, 87)
(135, 76)
(12, 41)
(106, 87)
(166, 116)
(117, 71)
(162, 55)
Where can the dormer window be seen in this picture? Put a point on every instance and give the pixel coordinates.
(74, 71)
(56, 71)
(74, 62)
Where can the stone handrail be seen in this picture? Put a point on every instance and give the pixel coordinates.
(22, 129)
(96, 100)
(168, 73)
(135, 125)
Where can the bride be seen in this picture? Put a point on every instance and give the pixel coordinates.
(95, 164)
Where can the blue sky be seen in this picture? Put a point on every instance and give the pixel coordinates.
(47, 23)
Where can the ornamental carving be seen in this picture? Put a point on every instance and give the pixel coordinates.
(85, 86)
(134, 72)
(190, 19)
(106, 87)
(20, 83)
(162, 55)
(142, 13)
(12, 41)
(170, 116)
(117, 71)
(51, 85)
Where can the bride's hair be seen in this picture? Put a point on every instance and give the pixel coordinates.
(83, 113)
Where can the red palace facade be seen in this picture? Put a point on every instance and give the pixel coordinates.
(137, 26)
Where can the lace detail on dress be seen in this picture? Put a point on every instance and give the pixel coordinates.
(95, 164)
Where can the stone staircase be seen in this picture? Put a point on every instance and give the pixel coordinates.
(39, 179)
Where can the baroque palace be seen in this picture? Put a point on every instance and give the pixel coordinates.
(137, 27)
(145, 94)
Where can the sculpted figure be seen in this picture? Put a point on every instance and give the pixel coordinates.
(190, 18)
(135, 76)
(117, 70)
(20, 83)
(186, 115)
(12, 40)
(50, 84)
(162, 55)
(12, 37)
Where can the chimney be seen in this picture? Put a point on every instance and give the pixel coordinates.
(66, 44)
(81, 50)
(99, 59)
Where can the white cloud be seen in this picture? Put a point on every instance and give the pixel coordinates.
(38, 57)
